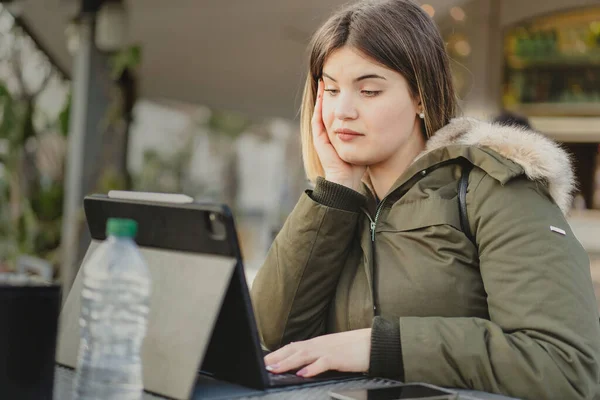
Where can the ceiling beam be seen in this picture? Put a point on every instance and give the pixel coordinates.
(22, 24)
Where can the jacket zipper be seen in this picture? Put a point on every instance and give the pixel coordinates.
(374, 223)
(374, 273)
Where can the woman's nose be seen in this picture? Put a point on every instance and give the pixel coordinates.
(344, 109)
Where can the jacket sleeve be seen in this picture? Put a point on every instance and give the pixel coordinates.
(293, 289)
(543, 337)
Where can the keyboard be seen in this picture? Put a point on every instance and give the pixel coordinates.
(289, 378)
(285, 379)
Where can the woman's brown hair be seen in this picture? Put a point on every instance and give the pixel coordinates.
(397, 34)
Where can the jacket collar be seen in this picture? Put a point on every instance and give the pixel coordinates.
(503, 152)
(540, 158)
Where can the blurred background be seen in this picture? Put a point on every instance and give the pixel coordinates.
(202, 97)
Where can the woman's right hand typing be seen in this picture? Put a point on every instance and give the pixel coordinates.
(336, 170)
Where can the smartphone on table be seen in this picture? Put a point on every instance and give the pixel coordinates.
(411, 391)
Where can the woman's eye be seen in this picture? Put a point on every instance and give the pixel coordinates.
(332, 92)
(371, 93)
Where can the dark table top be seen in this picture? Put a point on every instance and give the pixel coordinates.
(208, 389)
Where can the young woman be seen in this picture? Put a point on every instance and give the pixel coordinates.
(373, 272)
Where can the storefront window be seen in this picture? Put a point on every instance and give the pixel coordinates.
(552, 69)
(552, 65)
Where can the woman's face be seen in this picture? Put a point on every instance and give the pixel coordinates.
(368, 110)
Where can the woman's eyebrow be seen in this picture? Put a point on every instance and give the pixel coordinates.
(360, 78)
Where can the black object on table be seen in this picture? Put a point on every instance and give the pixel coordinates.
(29, 319)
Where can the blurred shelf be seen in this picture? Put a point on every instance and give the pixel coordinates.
(554, 62)
(583, 109)
(569, 129)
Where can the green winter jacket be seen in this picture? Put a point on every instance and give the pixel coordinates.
(514, 314)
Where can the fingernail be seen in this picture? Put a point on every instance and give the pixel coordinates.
(272, 367)
(302, 372)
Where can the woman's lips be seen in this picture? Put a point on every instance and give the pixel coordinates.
(347, 135)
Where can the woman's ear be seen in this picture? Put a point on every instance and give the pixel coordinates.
(418, 103)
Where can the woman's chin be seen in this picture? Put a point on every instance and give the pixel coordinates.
(354, 159)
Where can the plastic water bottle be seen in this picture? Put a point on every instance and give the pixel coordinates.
(114, 313)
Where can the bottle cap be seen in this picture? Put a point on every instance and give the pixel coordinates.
(121, 227)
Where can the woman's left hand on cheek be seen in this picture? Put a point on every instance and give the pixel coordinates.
(345, 351)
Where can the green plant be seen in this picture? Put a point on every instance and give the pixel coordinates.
(127, 59)
(31, 205)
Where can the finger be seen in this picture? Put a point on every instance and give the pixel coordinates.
(295, 361)
(321, 365)
(281, 354)
(317, 119)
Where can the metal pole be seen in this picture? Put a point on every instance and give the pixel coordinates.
(75, 154)
(91, 87)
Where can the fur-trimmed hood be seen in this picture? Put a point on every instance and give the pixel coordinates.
(541, 158)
